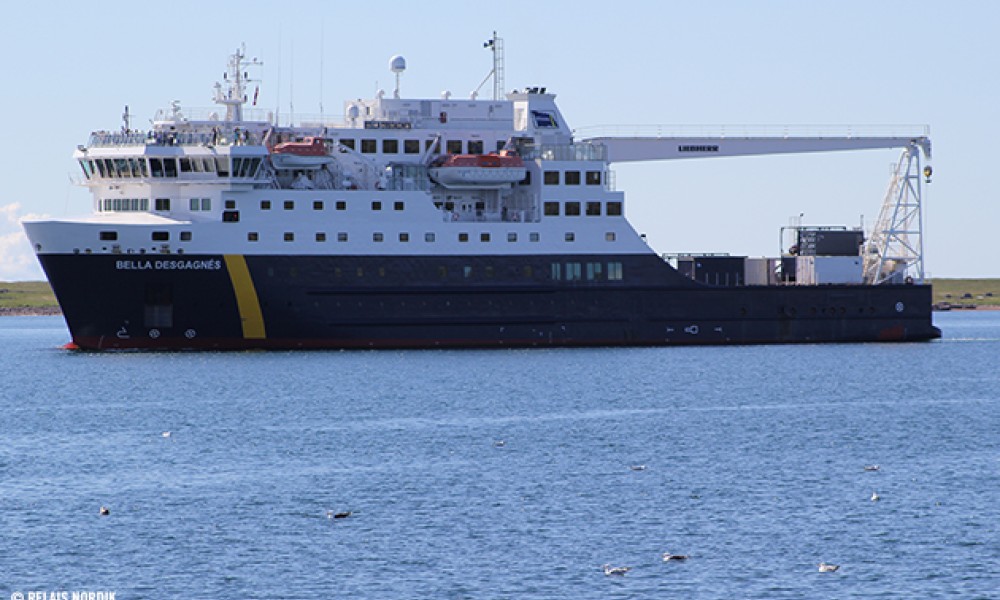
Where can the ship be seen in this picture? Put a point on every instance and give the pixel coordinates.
(442, 223)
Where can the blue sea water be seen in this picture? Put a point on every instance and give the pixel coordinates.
(754, 463)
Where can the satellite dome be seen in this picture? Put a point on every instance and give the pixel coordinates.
(397, 64)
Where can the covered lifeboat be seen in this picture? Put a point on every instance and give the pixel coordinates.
(494, 170)
(310, 153)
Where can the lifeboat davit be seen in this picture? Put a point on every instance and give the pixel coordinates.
(494, 170)
(310, 153)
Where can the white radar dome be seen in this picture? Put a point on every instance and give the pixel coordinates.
(397, 64)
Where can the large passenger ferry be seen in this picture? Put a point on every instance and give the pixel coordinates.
(441, 222)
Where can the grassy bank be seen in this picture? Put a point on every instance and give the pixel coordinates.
(34, 295)
(981, 292)
(37, 295)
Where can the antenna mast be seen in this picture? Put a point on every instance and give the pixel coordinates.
(495, 44)
(235, 96)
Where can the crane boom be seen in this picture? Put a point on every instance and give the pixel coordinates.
(633, 148)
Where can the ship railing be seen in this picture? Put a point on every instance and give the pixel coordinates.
(753, 131)
(232, 137)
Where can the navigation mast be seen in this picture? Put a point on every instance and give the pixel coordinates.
(235, 96)
(495, 44)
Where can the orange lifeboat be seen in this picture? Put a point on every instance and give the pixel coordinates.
(310, 153)
(494, 170)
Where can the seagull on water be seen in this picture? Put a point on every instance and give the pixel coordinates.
(667, 557)
(340, 515)
(875, 497)
(871, 467)
(826, 568)
(638, 467)
(165, 434)
(104, 511)
(609, 570)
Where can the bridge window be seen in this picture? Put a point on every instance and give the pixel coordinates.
(475, 146)
(614, 209)
(593, 178)
(411, 146)
(390, 146)
(572, 209)
(572, 177)
(593, 209)
(162, 204)
(348, 143)
(454, 146)
(368, 146)
(551, 178)
(551, 209)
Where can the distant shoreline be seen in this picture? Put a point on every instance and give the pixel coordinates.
(29, 311)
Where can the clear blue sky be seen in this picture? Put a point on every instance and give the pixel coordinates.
(71, 67)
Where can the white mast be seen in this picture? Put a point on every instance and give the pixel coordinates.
(235, 96)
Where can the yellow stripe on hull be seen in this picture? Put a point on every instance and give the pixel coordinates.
(251, 317)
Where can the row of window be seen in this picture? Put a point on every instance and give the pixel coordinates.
(404, 237)
(550, 209)
(392, 146)
(568, 271)
(289, 236)
(573, 208)
(320, 205)
(571, 177)
(142, 167)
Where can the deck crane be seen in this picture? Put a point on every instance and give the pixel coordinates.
(893, 251)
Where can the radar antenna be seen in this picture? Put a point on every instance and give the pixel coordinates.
(495, 44)
(235, 96)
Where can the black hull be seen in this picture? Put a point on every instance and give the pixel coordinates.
(288, 302)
